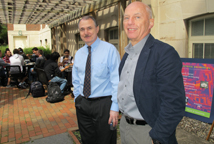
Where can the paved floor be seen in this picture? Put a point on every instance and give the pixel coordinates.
(22, 120)
(35, 121)
(63, 138)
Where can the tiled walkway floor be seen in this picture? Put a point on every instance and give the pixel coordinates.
(23, 119)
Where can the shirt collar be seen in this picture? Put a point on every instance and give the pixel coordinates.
(94, 45)
(138, 47)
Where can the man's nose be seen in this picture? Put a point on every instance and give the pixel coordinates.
(131, 20)
(86, 31)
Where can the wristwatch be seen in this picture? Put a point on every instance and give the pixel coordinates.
(155, 141)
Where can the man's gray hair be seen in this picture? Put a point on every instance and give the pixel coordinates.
(86, 18)
(149, 10)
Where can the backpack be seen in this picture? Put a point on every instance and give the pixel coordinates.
(22, 85)
(54, 93)
(36, 89)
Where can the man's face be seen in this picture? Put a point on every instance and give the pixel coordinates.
(137, 23)
(34, 52)
(8, 54)
(88, 31)
(66, 54)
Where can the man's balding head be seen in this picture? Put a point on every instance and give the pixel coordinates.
(137, 21)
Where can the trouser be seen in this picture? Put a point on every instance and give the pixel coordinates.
(32, 75)
(93, 116)
(134, 134)
(62, 82)
(3, 77)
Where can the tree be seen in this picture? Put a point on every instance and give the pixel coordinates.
(3, 34)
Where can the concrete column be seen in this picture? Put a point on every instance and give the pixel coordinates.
(53, 38)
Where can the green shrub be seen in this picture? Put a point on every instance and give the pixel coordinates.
(27, 50)
(45, 50)
(3, 48)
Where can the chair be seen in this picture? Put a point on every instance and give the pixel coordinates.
(15, 74)
(41, 76)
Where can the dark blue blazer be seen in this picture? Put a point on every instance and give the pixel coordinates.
(158, 89)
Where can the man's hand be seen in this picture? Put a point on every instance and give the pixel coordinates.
(66, 67)
(65, 59)
(113, 117)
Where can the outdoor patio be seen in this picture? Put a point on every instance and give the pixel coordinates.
(22, 120)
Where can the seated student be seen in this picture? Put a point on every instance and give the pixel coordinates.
(64, 60)
(7, 56)
(7, 60)
(34, 56)
(17, 59)
(2, 71)
(52, 70)
(40, 61)
(21, 52)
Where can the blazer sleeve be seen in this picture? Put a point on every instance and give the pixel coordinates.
(172, 95)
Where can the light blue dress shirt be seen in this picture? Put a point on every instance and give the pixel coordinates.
(105, 61)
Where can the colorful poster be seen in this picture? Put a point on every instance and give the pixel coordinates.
(198, 77)
(198, 82)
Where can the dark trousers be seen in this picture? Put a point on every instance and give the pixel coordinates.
(3, 77)
(93, 116)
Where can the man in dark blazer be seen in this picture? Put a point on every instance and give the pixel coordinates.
(151, 93)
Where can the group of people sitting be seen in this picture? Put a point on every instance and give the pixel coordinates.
(55, 71)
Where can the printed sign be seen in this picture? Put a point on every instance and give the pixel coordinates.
(198, 77)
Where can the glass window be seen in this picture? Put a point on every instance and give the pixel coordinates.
(209, 50)
(209, 26)
(201, 37)
(197, 28)
(79, 38)
(80, 42)
(113, 36)
(116, 34)
(198, 50)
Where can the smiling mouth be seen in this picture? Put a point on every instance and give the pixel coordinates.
(131, 29)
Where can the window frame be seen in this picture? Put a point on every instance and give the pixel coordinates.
(114, 41)
(199, 39)
(79, 41)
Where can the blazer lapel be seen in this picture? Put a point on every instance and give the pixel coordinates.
(122, 62)
(141, 65)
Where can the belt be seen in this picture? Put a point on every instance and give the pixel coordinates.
(96, 98)
(134, 121)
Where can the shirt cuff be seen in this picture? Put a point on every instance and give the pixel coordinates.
(114, 107)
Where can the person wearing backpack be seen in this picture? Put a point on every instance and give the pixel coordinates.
(52, 71)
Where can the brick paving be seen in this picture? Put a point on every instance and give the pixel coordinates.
(22, 120)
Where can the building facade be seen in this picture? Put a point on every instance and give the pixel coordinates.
(28, 35)
(187, 25)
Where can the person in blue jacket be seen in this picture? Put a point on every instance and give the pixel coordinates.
(151, 93)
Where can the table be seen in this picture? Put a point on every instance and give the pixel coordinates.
(27, 67)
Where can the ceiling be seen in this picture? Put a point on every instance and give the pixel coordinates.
(40, 11)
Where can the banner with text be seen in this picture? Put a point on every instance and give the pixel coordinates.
(198, 77)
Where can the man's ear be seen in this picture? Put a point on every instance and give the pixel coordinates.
(98, 28)
(151, 23)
